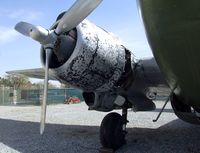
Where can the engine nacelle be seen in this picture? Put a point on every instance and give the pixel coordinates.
(95, 62)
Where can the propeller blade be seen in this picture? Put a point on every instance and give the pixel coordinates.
(77, 13)
(37, 33)
(24, 28)
(45, 96)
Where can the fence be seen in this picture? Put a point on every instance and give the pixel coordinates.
(9, 96)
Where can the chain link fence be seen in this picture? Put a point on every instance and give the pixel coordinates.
(9, 96)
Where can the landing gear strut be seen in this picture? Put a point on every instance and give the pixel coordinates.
(113, 129)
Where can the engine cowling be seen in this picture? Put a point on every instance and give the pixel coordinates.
(89, 58)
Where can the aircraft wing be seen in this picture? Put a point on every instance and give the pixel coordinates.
(37, 73)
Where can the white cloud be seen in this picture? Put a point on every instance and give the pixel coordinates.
(25, 15)
(20, 14)
(11, 17)
(7, 34)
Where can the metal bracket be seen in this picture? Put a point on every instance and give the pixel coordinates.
(162, 109)
(167, 100)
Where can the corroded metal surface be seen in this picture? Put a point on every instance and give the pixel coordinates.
(97, 61)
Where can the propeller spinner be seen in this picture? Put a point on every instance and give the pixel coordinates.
(77, 13)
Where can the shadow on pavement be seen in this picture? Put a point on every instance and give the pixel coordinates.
(176, 136)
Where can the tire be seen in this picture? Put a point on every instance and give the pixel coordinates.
(179, 106)
(183, 111)
(111, 133)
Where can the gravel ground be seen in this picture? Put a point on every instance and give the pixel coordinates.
(72, 128)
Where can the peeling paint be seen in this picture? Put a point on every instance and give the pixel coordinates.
(97, 61)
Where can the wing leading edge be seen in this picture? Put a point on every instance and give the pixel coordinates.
(37, 73)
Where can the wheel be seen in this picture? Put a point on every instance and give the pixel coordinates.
(183, 111)
(111, 131)
(179, 106)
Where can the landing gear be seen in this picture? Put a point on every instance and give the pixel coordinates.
(185, 112)
(113, 130)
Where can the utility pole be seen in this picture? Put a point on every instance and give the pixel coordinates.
(3, 94)
(15, 96)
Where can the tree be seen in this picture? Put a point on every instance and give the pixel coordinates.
(17, 81)
(65, 86)
(52, 86)
(40, 85)
(5, 82)
(22, 82)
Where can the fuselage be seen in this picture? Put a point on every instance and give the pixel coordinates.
(173, 31)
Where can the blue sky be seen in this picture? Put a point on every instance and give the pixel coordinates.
(20, 52)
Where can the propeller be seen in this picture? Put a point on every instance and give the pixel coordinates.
(77, 13)
(45, 96)
(37, 33)
(24, 28)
